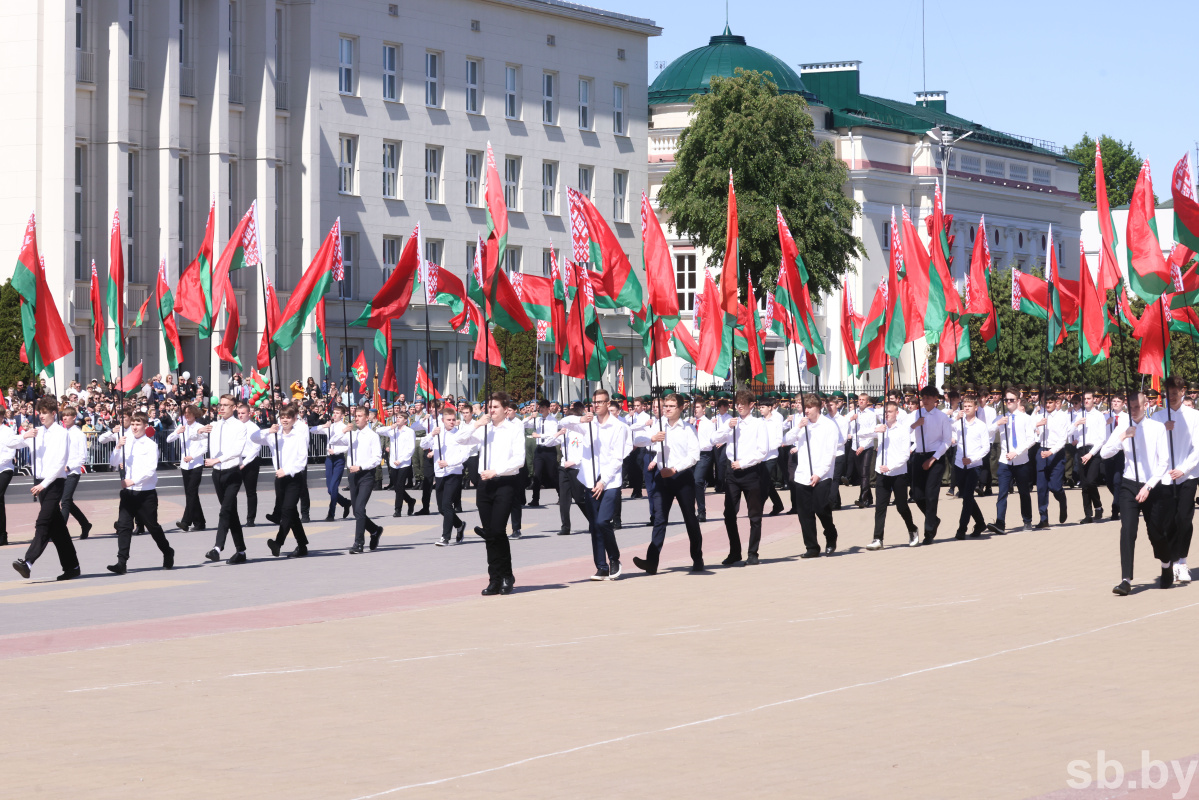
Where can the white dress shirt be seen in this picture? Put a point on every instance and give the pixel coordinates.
(446, 446)
(10, 441)
(227, 443)
(680, 449)
(252, 450)
(842, 423)
(76, 450)
(1017, 436)
(402, 444)
(339, 440)
(194, 443)
(774, 434)
(49, 454)
(894, 446)
(749, 441)
(139, 457)
(572, 447)
(545, 429)
(289, 451)
(862, 429)
(704, 429)
(1184, 440)
(1152, 460)
(819, 439)
(935, 434)
(365, 451)
(1053, 434)
(502, 446)
(1093, 432)
(978, 442)
(604, 448)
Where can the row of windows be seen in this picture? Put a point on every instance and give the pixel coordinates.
(1020, 239)
(348, 182)
(435, 81)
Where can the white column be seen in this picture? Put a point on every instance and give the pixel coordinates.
(116, 88)
(163, 48)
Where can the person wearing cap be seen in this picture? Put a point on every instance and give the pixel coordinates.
(894, 445)
(747, 438)
(1017, 436)
(815, 438)
(545, 452)
(972, 438)
(932, 432)
(1182, 437)
(720, 460)
(774, 440)
(862, 422)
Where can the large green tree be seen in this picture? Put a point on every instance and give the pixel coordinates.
(520, 379)
(1121, 166)
(12, 369)
(767, 139)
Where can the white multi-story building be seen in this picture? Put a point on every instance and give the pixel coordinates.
(378, 113)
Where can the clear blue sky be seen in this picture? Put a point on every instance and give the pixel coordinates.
(1050, 69)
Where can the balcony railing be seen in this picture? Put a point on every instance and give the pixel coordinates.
(235, 87)
(187, 81)
(85, 66)
(663, 144)
(137, 73)
(281, 95)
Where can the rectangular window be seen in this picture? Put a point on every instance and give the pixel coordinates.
(232, 207)
(585, 174)
(185, 52)
(129, 225)
(512, 260)
(391, 170)
(685, 280)
(184, 186)
(390, 255)
(512, 183)
(549, 111)
(280, 63)
(472, 86)
(473, 160)
(471, 249)
(345, 287)
(1042, 176)
(390, 81)
(235, 76)
(432, 174)
(886, 235)
(511, 98)
(549, 187)
(1018, 172)
(584, 104)
(620, 187)
(971, 163)
(618, 121)
(345, 65)
(546, 257)
(433, 251)
(996, 168)
(432, 81)
(347, 152)
(82, 272)
(278, 218)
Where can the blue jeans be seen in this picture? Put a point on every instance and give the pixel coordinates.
(1050, 472)
(1021, 476)
(603, 536)
(334, 466)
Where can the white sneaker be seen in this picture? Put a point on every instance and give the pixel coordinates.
(914, 539)
(614, 571)
(1182, 574)
(875, 545)
(442, 542)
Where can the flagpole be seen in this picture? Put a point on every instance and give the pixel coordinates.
(1166, 390)
(1136, 470)
(919, 404)
(428, 354)
(270, 369)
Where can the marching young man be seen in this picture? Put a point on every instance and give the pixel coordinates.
(973, 438)
(862, 423)
(675, 452)
(402, 444)
(76, 458)
(1054, 428)
(192, 444)
(570, 488)
(448, 455)
(288, 442)
(931, 431)
(1182, 437)
(502, 453)
(1090, 433)
(226, 444)
(249, 463)
(606, 445)
(894, 447)
(704, 429)
(1113, 467)
(1146, 463)
(815, 438)
(774, 440)
(137, 452)
(545, 452)
(110, 436)
(1016, 435)
(746, 449)
(338, 442)
(10, 442)
(364, 454)
(49, 471)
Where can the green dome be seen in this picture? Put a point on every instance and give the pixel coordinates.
(692, 72)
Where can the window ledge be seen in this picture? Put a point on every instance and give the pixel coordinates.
(435, 202)
(393, 100)
(550, 124)
(347, 94)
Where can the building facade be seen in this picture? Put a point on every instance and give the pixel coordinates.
(376, 113)
(893, 153)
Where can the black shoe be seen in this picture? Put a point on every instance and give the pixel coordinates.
(697, 566)
(345, 511)
(168, 559)
(774, 512)
(810, 554)
(636, 496)
(1061, 515)
(442, 542)
(1122, 588)
(616, 525)
(1115, 515)
(1041, 526)
(731, 560)
(564, 533)
(87, 528)
(21, 567)
(69, 574)
(997, 529)
(305, 518)
(977, 532)
(397, 514)
(1098, 516)
(299, 552)
(356, 549)
(117, 568)
(237, 558)
(330, 518)
(928, 538)
(272, 518)
(179, 524)
(642, 564)
(703, 518)
(461, 531)
(478, 530)
(274, 546)
(199, 526)
(1167, 578)
(248, 524)
(960, 536)
(457, 508)
(514, 535)
(830, 549)
(1086, 520)
(492, 588)
(374, 544)
(421, 513)
(213, 555)
(411, 505)
(506, 585)
(751, 560)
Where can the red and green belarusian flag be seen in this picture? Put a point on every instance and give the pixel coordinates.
(872, 352)
(1109, 268)
(360, 371)
(560, 294)
(116, 286)
(730, 270)
(99, 330)
(470, 321)
(227, 349)
(536, 294)
(1057, 324)
(389, 383)
(614, 283)
(684, 343)
(494, 294)
(392, 300)
(747, 337)
(1184, 321)
(791, 292)
(978, 294)
(715, 338)
(266, 349)
(943, 301)
(897, 322)
(1148, 274)
(915, 280)
(259, 388)
(45, 337)
(587, 355)
(1154, 334)
(1093, 341)
(166, 317)
(851, 325)
(1186, 210)
(425, 389)
(1184, 270)
(659, 268)
(194, 298)
(955, 343)
(319, 336)
(325, 268)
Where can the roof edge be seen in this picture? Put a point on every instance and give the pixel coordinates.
(578, 11)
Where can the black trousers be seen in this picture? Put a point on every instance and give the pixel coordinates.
(967, 480)
(1182, 503)
(362, 484)
(815, 502)
(720, 467)
(401, 477)
(926, 488)
(838, 471)
(678, 487)
(888, 486)
(51, 527)
(305, 499)
(545, 471)
(68, 501)
(140, 507)
(865, 466)
(227, 482)
(1113, 474)
(447, 486)
(249, 481)
(1157, 515)
(5, 480)
(193, 512)
(517, 512)
(700, 471)
(740, 482)
(570, 489)
(766, 470)
(287, 489)
(470, 472)
(632, 468)
(495, 499)
(1088, 476)
(426, 481)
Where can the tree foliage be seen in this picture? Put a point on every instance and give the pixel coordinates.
(12, 369)
(1121, 166)
(520, 356)
(767, 140)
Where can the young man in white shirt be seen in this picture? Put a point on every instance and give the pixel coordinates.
(1016, 436)
(815, 438)
(1113, 467)
(704, 429)
(110, 436)
(1052, 431)
(674, 453)
(10, 442)
(137, 452)
(747, 440)
(894, 446)
(545, 451)
(1146, 463)
(226, 445)
(973, 437)
(287, 440)
(249, 463)
(365, 453)
(192, 444)
(774, 440)
(502, 454)
(49, 445)
(448, 455)
(76, 458)
(1089, 435)
(834, 404)
(337, 443)
(401, 446)
(862, 423)
(931, 430)
(570, 488)
(606, 444)
(1182, 436)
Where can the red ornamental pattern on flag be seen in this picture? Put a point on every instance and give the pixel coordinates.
(1015, 290)
(518, 285)
(543, 328)
(584, 281)
(1181, 179)
(1175, 272)
(922, 381)
(338, 270)
(580, 235)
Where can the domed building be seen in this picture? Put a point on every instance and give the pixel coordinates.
(896, 153)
